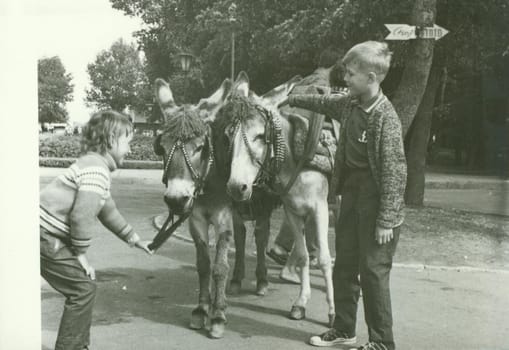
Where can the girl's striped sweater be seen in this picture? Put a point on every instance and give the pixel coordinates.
(70, 204)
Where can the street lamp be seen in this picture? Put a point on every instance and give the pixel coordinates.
(185, 61)
(232, 10)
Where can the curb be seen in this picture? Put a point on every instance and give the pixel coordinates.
(449, 268)
(50, 162)
(158, 221)
(462, 183)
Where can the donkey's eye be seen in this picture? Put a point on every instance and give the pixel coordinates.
(260, 137)
(198, 149)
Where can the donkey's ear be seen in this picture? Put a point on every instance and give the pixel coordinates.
(241, 85)
(279, 93)
(164, 97)
(208, 107)
(158, 149)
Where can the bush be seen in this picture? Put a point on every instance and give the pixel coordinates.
(60, 146)
(142, 148)
(69, 147)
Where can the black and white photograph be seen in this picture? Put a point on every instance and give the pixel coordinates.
(234, 174)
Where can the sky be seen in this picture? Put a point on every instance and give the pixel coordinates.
(77, 31)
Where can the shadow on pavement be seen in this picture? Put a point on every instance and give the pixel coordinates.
(168, 296)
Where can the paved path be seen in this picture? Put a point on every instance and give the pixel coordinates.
(481, 194)
(145, 302)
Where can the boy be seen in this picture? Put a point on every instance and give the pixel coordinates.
(68, 207)
(370, 174)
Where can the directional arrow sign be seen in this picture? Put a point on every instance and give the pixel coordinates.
(400, 32)
(436, 32)
(407, 32)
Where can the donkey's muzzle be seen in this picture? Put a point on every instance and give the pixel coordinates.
(179, 205)
(239, 191)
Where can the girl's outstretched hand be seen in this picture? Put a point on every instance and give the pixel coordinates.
(143, 245)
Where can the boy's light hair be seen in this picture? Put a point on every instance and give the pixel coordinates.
(370, 56)
(101, 128)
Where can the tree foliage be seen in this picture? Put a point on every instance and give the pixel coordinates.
(54, 90)
(278, 39)
(118, 79)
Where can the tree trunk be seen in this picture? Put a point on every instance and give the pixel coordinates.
(418, 64)
(417, 142)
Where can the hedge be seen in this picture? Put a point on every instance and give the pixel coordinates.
(63, 146)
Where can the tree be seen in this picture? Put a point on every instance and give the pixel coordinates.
(478, 32)
(118, 79)
(408, 97)
(279, 39)
(54, 90)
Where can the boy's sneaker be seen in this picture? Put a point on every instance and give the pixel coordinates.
(371, 346)
(332, 337)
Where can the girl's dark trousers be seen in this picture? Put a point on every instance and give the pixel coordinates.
(61, 269)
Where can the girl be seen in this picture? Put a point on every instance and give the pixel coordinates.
(68, 207)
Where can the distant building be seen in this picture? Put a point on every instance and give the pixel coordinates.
(143, 123)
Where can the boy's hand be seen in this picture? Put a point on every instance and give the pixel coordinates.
(143, 245)
(383, 235)
(89, 270)
(343, 91)
(282, 103)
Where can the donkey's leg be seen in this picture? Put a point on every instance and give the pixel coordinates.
(262, 232)
(224, 227)
(321, 226)
(289, 271)
(300, 258)
(198, 228)
(239, 234)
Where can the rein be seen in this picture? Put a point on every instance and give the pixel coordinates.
(165, 232)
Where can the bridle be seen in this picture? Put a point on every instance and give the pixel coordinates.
(275, 150)
(199, 179)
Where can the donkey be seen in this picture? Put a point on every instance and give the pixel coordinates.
(260, 147)
(194, 188)
(196, 185)
(258, 208)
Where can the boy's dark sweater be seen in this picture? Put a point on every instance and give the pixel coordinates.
(386, 155)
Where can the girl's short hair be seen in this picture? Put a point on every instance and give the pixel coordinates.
(102, 128)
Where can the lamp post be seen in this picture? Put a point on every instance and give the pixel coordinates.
(185, 63)
(232, 10)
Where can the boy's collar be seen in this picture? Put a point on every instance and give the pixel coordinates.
(368, 106)
(107, 159)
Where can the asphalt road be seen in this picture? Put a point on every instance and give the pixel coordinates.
(145, 302)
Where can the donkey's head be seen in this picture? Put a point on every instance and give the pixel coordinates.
(250, 133)
(185, 145)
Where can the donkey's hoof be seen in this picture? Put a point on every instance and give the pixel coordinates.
(298, 312)
(217, 326)
(262, 288)
(234, 288)
(198, 318)
(332, 317)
